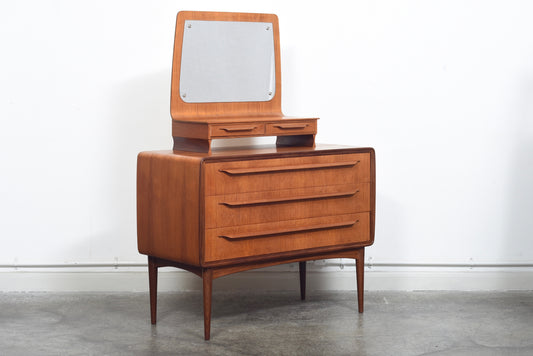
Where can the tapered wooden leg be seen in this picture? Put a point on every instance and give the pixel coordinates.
(152, 281)
(360, 272)
(303, 269)
(207, 276)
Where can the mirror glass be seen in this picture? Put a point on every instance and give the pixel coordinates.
(226, 61)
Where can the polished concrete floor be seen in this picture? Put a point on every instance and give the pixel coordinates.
(269, 323)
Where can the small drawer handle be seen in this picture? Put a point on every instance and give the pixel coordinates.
(238, 128)
(238, 236)
(291, 126)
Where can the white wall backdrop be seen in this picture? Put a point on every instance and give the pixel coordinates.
(443, 90)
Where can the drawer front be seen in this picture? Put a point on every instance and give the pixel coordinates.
(288, 204)
(291, 128)
(222, 178)
(283, 236)
(237, 130)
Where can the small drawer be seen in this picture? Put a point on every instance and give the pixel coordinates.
(286, 173)
(237, 130)
(291, 128)
(288, 204)
(283, 236)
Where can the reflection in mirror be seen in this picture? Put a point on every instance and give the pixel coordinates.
(226, 61)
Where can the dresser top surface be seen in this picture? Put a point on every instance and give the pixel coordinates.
(264, 151)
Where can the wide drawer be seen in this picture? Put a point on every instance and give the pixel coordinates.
(285, 173)
(283, 236)
(287, 204)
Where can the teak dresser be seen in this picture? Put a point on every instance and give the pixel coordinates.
(215, 212)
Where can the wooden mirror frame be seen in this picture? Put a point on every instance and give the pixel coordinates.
(180, 109)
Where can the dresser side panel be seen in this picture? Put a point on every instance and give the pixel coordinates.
(168, 212)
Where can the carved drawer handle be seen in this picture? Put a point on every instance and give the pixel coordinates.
(235, 204)
(240, 171)
(238, 128)
(291, 126)
(238, 236)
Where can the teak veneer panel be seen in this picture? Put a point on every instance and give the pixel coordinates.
(168, 206)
